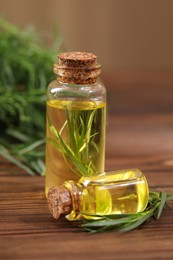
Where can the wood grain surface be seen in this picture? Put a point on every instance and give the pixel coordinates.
(140, 138)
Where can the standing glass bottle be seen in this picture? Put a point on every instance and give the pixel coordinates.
(76, 120)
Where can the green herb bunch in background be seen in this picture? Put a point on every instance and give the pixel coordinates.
(26, 70)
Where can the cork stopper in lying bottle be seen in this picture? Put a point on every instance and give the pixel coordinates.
(59, 200)
(77, 68)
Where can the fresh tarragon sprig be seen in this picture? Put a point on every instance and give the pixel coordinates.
(76, 150)
(126, 222)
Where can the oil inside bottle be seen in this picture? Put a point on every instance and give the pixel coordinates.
(75, 140)
(121, 192)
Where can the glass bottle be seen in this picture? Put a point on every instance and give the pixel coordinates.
(76, 119)
(118, 192)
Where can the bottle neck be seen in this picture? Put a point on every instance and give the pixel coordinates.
(75, 191)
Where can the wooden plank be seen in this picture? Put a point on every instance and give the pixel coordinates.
(136, 137)
(28, 231)
(25, 210)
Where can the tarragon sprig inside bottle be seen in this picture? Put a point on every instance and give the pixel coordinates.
(76, 119)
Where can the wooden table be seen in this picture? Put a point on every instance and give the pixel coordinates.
(138, 135)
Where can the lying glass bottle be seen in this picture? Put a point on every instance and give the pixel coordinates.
(116, 192)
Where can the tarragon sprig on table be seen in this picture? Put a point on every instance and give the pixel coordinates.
(126, 222)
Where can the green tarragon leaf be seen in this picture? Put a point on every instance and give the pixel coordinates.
(127, 222)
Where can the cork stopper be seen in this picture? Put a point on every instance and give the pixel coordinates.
(59, 200)
(77, 59)
(77, 68)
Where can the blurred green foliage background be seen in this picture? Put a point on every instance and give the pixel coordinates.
(26, 69)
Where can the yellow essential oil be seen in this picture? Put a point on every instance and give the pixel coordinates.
(118, 192)
(81, 125)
